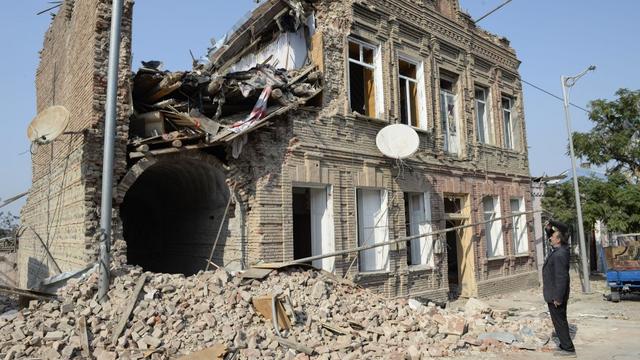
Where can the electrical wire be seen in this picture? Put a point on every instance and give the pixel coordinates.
(553, 95)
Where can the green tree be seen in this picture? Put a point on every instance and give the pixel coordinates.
(8, 224)
(615, 138)
(614, 201)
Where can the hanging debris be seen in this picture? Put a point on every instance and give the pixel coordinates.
(250, 78)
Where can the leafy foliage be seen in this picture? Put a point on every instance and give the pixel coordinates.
(8, 224)
(615, 201)
(615, 138)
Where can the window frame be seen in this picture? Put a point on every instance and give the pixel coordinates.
(384, 209)
(493, 228)
(446, 125)
(421, 97)
(487, 118)
(376, 69)
(519, 218)
(507, 122)
(425, 199)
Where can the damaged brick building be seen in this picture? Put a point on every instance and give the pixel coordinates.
(300, 175)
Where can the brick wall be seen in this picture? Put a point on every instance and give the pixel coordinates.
(61, 208)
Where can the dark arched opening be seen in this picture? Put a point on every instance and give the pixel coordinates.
(171, 215)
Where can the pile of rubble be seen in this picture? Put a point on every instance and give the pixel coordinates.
(318, 315)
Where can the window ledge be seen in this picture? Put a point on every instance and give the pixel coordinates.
(522, 255)
(497, 258)
(356, 115)
(373, 273)
(417, 268)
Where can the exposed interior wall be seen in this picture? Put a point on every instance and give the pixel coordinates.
(61, 209)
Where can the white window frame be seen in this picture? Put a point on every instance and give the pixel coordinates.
(493, 229)
(519, 227)
(375, 259)
(377, 72)
(421, 96)
(422, 249)
(486, 117)
(451, 147)
(507, 121)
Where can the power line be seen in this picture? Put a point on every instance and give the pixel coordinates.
(492, 11)
(553, 95)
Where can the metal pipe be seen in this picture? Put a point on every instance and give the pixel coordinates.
(568, 82)
(109, 142)
(403, 239)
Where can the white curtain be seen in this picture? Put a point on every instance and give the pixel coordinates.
(373, 229)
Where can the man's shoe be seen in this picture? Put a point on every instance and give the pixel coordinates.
(565, 353)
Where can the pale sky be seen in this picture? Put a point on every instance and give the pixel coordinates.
(552, 38)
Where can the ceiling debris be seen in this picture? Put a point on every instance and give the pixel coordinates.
(259, 71)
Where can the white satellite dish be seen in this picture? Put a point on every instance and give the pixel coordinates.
(48, 125)
(398, 141)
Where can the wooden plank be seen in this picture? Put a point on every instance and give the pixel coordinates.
(172, 150)
(124, 318)
(84, 337)
(317, 50)
(29, 294)
(262, 304)
(164, 91)
(256, 273)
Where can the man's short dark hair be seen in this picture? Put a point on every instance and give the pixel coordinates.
(562, 230)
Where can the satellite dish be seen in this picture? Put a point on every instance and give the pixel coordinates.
(48, 125)
(398, 141)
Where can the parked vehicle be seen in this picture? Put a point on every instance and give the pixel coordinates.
(622, 266)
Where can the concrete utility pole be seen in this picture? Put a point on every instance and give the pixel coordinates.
(109, 140)
(567, 84)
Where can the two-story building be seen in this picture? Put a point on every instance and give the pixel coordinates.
(312, 181)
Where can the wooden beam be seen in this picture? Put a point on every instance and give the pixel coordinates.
(124, 317)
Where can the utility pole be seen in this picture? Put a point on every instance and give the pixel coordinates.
(567, 84)
(109, 141)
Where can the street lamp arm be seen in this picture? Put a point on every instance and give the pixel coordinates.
(571, 80)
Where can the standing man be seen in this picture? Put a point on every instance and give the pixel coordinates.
(555, 279)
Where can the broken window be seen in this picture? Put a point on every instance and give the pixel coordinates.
(362, 78)
(493, 229)
(483, 115)
(412, 99)
(313, 225)
(520, 238)
(449, 116)
(507, 106)
(373, 228)
(418, 215)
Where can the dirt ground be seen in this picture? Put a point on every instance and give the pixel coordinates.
(601, 329)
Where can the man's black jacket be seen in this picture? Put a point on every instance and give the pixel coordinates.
(555, 275)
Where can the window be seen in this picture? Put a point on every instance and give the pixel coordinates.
(507, 106)
(483, 115)
(493, 229)
(412, 98)
(365, 94)
(449, 115)
(520, 238)
(418, 215)
(373, 229)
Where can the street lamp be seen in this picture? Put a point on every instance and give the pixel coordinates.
(567, 84)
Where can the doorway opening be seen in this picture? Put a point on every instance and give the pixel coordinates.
(313, 225)
(453, 256)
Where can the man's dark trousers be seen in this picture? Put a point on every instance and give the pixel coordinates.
(560, 323)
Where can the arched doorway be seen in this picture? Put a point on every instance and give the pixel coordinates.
(172, 212)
